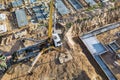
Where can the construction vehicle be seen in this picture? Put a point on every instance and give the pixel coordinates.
(51, 37)
(52, 42)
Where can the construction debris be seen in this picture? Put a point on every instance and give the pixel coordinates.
(65, 57)
(20, 34)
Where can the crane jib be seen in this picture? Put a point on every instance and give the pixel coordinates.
(50, 20)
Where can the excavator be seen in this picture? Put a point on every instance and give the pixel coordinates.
(53, 42)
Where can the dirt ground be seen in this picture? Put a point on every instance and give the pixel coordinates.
(109, 57)
(47, 68)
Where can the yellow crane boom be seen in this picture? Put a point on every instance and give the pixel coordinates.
(50, 20)
(49, 37)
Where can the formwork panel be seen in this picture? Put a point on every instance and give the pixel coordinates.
(62, 9)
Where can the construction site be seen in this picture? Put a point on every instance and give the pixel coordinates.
(59, 40)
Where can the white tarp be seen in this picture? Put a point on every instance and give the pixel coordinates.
(3, 28)
(2, 16)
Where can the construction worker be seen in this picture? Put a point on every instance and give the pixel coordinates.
(3, 65)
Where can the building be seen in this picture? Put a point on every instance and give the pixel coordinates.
(21, 17)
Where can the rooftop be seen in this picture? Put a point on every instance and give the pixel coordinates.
(21, 17)
(94, 46)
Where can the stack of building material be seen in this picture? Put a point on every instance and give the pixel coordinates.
(3, 28)
(20, 34)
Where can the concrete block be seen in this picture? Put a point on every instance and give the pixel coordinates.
(65, 57)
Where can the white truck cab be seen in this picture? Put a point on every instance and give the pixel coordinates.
(56, 40)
